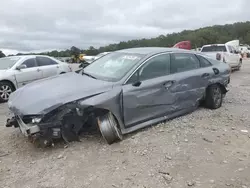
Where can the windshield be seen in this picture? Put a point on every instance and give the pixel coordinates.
(100, 55)
(8, 62)
(214, 49)
(113, 66)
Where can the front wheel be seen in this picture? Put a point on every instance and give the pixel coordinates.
(109, 128)
(214, 97)
(5, 90)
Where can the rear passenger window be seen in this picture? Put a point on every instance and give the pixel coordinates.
(44, 61)
(181, 62)
(30, 63)
(203, 61)
(214, 48)
(230, 49)
(156, 67)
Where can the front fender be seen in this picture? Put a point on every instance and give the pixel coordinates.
(111, 100)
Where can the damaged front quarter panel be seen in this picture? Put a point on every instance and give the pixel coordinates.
(67, 121)
(109, 101)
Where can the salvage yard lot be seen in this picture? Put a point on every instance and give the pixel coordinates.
(207, 148)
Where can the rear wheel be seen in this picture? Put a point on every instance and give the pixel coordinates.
(214, 97)
(6, 89)
(109, 128)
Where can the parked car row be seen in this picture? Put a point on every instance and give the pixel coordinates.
(119, 93)
(18, 71)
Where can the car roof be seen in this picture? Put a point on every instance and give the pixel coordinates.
(21, 56)
(151, 50)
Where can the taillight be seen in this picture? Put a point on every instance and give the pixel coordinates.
(218, 56)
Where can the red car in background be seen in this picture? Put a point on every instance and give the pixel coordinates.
(183, 45)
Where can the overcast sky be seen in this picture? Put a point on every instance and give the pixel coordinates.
(39, 25)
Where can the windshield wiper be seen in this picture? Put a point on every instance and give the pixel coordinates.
(88, 74)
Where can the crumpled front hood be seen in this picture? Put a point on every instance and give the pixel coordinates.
(41, 97)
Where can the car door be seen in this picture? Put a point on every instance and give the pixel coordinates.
(207, 72)
(235, 56)
(189, 80)
(48, 66)
(231, 57)
(28, 74)
(146, 94)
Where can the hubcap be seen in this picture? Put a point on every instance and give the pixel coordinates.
(5, 92)
(217, 96)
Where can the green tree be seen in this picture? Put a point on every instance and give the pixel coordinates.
(198, 38)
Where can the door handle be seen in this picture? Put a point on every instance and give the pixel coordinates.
(38, 70)
(205, 75)
(168, 84)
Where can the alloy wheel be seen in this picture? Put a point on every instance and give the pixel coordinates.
(5, 92)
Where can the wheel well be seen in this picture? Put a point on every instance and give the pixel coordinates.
(102, 111)
(11, 83)
(223, 88)
(99, 111)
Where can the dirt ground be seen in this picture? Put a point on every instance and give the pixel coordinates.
(207, 148)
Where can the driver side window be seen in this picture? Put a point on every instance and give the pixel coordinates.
(155, 67)
(30, 63)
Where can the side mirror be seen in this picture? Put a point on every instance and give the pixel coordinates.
(22, 66)
(137, 82)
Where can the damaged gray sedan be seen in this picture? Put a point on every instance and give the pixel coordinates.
(119, 93)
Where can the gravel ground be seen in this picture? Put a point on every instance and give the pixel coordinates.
(207, 148)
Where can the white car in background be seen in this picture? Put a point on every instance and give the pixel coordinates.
(90, 59)
(17, 71)
(225, 53)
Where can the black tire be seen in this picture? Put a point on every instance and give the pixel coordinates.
(6, 88)
(62, 72)
(109, 129)
(214, 97)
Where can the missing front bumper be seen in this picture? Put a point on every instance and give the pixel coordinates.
(44, 132)
(65, 124)
(41, 135)
(30, 130)
(26, 129)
